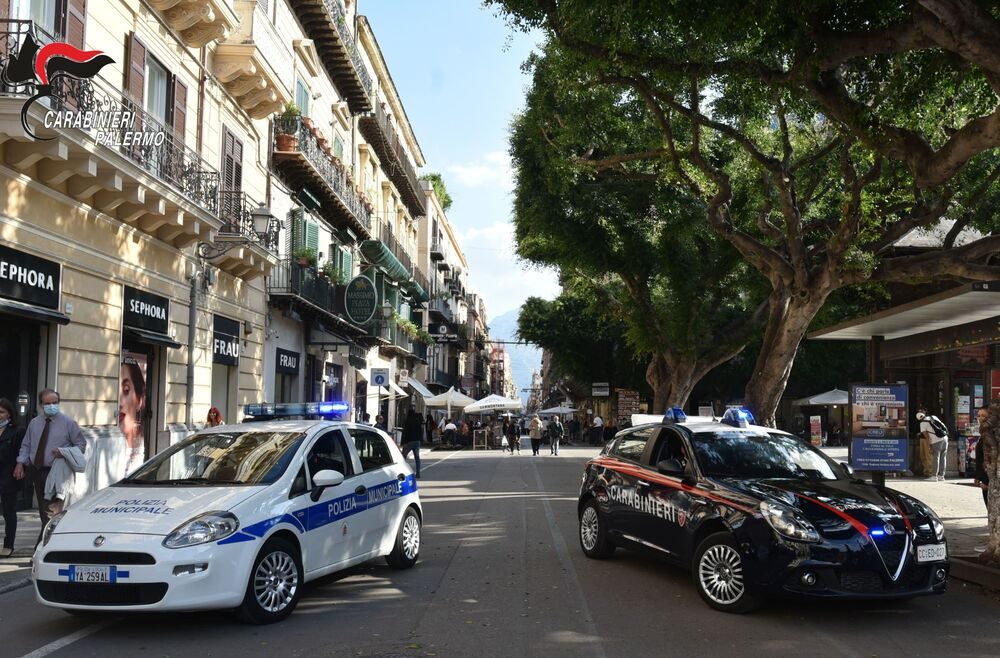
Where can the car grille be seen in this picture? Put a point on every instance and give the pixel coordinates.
(871, 582)
(98, 557)
(891, 549)
(102, 593)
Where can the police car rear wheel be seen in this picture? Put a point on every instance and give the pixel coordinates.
(594, 538)
(407, 549)
(718, 574)
(275, 582)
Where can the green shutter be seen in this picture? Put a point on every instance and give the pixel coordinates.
(296, 216)
(346, 262)
(312, 235)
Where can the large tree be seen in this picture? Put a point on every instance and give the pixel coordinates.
(634, 244)
(816, 136)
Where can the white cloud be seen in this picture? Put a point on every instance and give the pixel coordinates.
(492, 168)
(495, 272)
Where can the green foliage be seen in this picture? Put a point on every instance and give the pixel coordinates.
(308, 253)
(288, 120)
(439, 189)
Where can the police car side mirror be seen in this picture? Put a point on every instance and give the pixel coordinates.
(670, 467)
(322, 480)
(847, 468)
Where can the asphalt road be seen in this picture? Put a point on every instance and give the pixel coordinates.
(501, 574)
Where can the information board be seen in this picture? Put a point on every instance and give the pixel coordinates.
(628, 404)
(879, 432)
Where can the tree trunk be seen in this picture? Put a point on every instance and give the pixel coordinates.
(789, 316)
(673, 379)
(658, 378)
(989, 442)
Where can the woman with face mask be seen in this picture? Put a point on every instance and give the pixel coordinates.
(10, 444)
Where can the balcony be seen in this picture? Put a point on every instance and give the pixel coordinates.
(302, 284)
(440, 378)
(121, 161)
(197, 22)
(382, 135)
(440, 308)
(325, 22)
(480, 341)
(437, 251)
(387, 253)
(304, 162)
(256, 256)
(400, 344)
(255, 64)
(420, 351)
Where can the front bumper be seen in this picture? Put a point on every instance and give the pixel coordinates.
(149, 576)
(852, 568)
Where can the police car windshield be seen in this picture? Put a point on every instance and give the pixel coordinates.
(220, 458)
(757, 454)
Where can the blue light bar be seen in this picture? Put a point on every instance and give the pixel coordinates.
(875, 532)
(260, 411)
(674, 415)
(737, 418)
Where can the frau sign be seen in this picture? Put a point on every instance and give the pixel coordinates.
(286, 362)
(225, 341)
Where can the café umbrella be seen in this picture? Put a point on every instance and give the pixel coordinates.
(450, 398)
(493, 403)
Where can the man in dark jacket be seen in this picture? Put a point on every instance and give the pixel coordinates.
(413, 429)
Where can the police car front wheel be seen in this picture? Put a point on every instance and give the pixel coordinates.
(406, 550)
(719, 574)
(275, 582)
(594, 538)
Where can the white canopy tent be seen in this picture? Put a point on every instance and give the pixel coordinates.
(493, 403)
(836, 396)
(450, 398)
(557, 410)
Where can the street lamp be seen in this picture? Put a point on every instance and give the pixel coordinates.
(265, 231)
(386, 310)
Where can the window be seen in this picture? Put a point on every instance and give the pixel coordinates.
(328, 453)
(338, 147)
(157, 96)
(232, 167)
(302, 96)
(672, 447)
(632, 445)
(372, 450)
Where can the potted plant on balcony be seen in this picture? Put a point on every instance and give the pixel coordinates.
(287, 125)
(305, 256)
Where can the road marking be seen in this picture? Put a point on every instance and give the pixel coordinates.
(567, 564)
(52, 647)
(424, 468)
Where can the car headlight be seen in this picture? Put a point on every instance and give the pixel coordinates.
(787, 523)
(50, 527)
(204, 528)
(922, 509)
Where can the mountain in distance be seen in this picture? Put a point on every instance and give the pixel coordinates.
(523, 358)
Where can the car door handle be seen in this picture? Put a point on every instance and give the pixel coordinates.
(642, 484)
(401, 477)
(360, 490)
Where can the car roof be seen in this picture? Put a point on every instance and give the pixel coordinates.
(704, 423)
(274, 426)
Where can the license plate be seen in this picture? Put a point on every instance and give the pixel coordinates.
(93, 574)
(932, 552)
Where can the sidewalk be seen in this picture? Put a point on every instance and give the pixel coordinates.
(956, 500)
(16, 569)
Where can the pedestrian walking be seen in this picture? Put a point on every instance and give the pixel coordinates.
(535, 433)
(430, 427)
(982, 478)
(413, 428)
(11, 437)
(556, 432)
(597, 431)
(572, 431)
(449, 429)
(380, 423)
(514, 436)
(936, 434)
(45, 435)
(214, 418)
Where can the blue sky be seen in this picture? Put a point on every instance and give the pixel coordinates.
(457, 68)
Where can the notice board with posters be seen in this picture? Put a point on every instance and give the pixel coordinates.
(628, 404)
(879, 432)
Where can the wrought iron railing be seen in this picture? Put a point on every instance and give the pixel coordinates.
(336, 10)
(437, 250)
(119, 123)
(441, 306)
(398, 163)
(334, 175)
(421, 279)
(384, 234)
(440, 377)
(420, 350)
(236, 211)
(290, 278)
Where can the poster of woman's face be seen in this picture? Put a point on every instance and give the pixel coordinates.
(132, 397)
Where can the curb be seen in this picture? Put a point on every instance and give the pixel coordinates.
(17, 584)
(972, 572)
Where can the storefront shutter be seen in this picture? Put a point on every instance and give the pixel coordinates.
(136, 71)
(76, 21)
(180, 109)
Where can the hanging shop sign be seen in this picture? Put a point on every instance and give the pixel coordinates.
(146, 311)
(600, 389)
(442, 333)
(879, 418)
(27, 278)
(360, 300)
(225, 341)
(287, 362)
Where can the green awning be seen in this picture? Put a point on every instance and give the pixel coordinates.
(415, 291)
(379, 255)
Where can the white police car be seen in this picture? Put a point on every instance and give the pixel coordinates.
(235, 516)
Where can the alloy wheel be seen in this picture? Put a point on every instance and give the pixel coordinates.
(720, 572)
(275, 581)
(411, 537)
(588, 528)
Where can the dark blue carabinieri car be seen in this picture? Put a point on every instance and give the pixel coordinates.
(755, 512)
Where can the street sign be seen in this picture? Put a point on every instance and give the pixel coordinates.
(404, 377)
(600, 389)
(380, 377)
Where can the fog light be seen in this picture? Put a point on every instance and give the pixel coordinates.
(809, 579)
(940, 575)
(184, 569)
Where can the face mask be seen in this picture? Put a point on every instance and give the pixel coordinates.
(920, 416)
(4, 423)
(50, 409)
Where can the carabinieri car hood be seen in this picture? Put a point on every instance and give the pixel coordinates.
(833, 506)
(148, 510)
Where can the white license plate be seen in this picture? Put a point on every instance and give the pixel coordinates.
(92, 574)
(932, 552)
